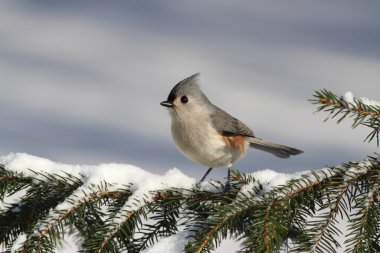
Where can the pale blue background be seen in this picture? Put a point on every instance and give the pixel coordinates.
(81, 81)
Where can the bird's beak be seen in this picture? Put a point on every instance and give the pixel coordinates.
(167, 104)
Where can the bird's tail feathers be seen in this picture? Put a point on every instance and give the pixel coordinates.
(273, 148)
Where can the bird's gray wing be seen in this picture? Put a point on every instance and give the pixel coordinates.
(227, 125)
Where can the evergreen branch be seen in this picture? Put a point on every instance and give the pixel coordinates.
(280, 201)
(368, 115)
(52, 229)
(66, 213)
(364, 235)
(12, 182)
(242, 210)
(341, 191)
(243, 179)
(200, 207)
(34, 205)
(115, 201)
(324, 236)
(118, 231)
(210, 235)
(338, 189)
(264, 220)
(268, 221)
(343, 106)
(165, 210)
(120, 234)
(108, 239)
(363, 221)
(193, 202)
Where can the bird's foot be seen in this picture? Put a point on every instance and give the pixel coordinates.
(227, 188)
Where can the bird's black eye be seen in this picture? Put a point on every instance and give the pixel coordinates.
(184, 100)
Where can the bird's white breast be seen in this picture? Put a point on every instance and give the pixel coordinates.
(196, 138)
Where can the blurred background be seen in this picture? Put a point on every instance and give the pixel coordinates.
(81, 81)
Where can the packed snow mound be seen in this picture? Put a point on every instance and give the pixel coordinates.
(114, 173)
(124, 174)
(118, 175)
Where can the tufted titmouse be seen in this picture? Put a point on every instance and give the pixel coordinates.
(208, 135)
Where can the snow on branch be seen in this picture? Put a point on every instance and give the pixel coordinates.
(364, 111)
(122, 208)
(350, 98)
(93, 184)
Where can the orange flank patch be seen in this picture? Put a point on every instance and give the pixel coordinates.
(236, 142)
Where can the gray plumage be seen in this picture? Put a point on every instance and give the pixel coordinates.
(197, 123)
(227, 125)
(273, 148)
(188, 86)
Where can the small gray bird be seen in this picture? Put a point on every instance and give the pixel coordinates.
(206, 134)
